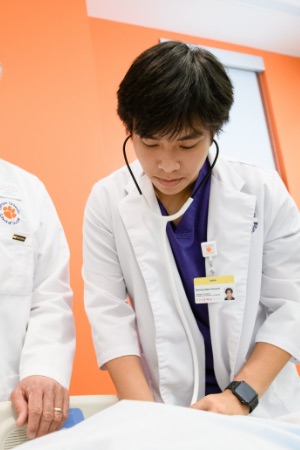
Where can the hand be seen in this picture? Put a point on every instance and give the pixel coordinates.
(34, 400)
(224, 403)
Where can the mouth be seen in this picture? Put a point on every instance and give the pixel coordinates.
(167, 182)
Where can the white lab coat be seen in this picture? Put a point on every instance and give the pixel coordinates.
(256, 227)
(36, 322)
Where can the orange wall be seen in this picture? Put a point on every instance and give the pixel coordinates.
(58, 118)
(50, 125)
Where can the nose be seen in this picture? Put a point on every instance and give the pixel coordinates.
(168, 162)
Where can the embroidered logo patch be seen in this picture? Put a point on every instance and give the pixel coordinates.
(9, 213)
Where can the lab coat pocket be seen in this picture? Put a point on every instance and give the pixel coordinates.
(16, 266)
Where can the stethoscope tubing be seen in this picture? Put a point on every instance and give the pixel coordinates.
(169, 268)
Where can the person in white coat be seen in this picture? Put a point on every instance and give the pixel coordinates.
(37, 332)
(175, 229)
(37, 337)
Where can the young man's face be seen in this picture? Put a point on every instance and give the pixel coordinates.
(173, 164)
(229, 294)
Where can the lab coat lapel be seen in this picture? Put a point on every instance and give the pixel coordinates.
(147, 233)
(230, 222)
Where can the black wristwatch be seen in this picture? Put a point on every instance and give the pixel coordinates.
(246, 395)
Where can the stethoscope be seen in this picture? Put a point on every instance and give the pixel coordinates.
(165, 220)
(194, 193)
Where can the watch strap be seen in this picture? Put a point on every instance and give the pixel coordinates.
(251, 403)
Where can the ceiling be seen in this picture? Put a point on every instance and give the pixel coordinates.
(272, 25)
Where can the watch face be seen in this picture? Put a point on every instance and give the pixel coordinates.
(246, 392)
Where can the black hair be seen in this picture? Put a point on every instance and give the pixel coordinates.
(228, 289)
(173, 87)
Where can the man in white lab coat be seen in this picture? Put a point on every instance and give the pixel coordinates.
(37, 336)
(173, 233)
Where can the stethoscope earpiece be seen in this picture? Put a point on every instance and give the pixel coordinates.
(128, 166)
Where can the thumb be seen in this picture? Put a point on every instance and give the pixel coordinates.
(21, 407)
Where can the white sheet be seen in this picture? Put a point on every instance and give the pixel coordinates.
(131, 425)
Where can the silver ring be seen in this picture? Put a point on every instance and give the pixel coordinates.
(56, 409)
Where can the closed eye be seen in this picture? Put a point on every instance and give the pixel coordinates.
(187, 147)
(150, 145)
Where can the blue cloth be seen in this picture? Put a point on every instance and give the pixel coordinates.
(185, 240)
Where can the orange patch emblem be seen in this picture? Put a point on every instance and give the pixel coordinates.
(9, 213)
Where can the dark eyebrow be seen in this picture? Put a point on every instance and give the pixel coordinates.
(192, 135)
(149, 137)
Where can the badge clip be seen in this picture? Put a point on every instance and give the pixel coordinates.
(209, 249)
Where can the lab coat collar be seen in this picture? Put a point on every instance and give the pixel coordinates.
(225, 173)
(145, 185)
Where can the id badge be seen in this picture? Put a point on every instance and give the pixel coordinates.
(214, 289)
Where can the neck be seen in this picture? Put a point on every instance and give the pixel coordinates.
(173, 203)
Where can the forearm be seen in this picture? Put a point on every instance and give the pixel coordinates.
(262, 367)
(128, 377)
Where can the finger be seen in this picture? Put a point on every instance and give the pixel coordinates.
(66, 405)
(47, 415)
(35, 411)
(194, 406)
(199, 405)
(19, 403)
(57, 420)
(61, 409)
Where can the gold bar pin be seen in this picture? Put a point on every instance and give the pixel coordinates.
(17, 237)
